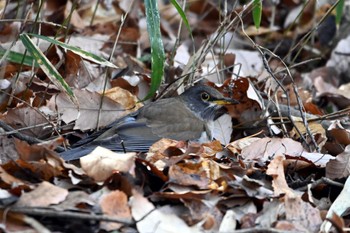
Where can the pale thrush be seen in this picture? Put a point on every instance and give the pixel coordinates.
(185, 117)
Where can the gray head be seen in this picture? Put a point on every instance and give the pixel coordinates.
(206, 101)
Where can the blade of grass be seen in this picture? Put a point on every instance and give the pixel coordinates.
(339, 11)
(84, 54)
(48, 68)
(182, 14)
(157, 49)
(17, 58)
(257, 11)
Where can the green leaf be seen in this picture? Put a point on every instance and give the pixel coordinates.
(84, 54)
(47, 67)
(157, 49)
(257, 11)
(339, 11)
(182, 14)
(18, 57)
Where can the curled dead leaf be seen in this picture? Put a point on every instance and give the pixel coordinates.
(101, 163)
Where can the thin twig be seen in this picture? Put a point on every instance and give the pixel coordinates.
(323, 180)
(37, 211)
(263, 230)
(35, 109)
(16, 134)
(110, 59)
(268, 69)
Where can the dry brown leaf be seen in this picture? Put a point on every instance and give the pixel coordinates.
(158, 155)
(324, 87)
(9, 179)
(209, 215)
(123, 83)
(325, 74)
(211, 148)
(103, 14)
(337, 60)
(43, 162)
(159, 220)
(315, 128)
(73, 65)
(265, 148)
(201, 174)
(248, 220)
(87, 114)
(188, 174)
(340, 166)
(336, 220)
(340, 134)
(254, 187)
(101, 163)
(307, 159)
(279, 183)
(249, 107)
(238, 145)
(164, 219)
(195, 185)
(123, 97)
(75, 200)
(115, 204)
(44, 195)
(182, 56)
(140, 205)
(340, 206)
(163, 144)
(22, 117)
(41, 169)
(33, 152)
(8, 150)
(270, 213)
(53, 143)
(17, 222)
(302, 214)
(74, 17)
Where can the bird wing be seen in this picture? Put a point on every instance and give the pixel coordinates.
(173, 120)
(109, 128)
(127, 133)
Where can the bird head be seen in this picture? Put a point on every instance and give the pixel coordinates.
(206, 102)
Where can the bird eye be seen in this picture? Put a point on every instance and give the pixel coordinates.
(205, 96)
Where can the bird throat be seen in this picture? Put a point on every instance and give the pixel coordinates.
(212, 112)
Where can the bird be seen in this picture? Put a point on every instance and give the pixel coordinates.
(186, 117)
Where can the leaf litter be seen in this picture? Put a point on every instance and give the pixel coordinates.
(283, 168)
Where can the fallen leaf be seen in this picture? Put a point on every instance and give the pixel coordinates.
(229, 222)
(76, 200)
(23, 117)
(163, 219)
(123, 97)
(340, 206)
(266, 148)
(44, 195)
(201, 174)
(115, 204)
(301, 213)
(90, 109)
(8, 150)
(101, 163)
(279, 183)
(340, 166)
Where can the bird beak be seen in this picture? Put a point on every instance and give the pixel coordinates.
(225, 101)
